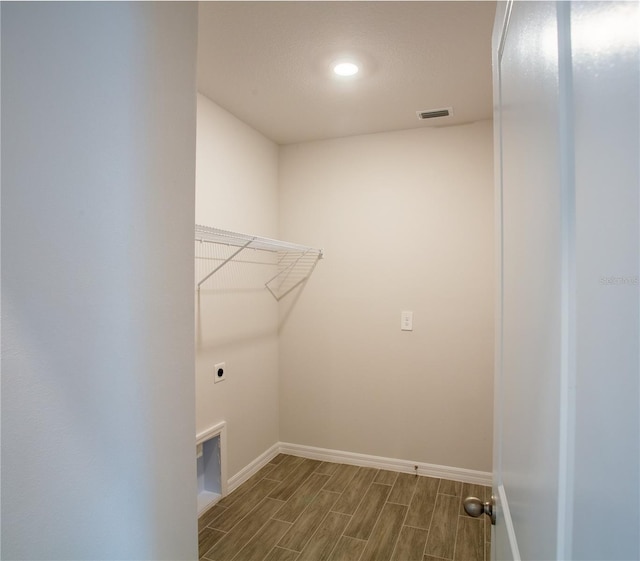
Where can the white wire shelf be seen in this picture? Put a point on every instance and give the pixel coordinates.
(294, 262)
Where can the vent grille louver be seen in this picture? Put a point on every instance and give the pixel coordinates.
(434, 113)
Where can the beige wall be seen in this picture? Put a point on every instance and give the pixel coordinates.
(406, 221)
(236, 317)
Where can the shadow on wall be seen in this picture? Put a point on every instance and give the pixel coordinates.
(230, 285)
(213, 302)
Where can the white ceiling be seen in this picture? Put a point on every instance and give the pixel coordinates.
(268, 63)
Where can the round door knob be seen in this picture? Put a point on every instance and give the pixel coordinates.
(473, 506)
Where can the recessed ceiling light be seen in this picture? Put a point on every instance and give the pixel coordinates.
(345, 69)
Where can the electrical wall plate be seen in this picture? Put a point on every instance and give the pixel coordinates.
(406, 321)
(219, 372)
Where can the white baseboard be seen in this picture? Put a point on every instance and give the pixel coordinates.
(393, 464)
(247, 471)
(363, 460)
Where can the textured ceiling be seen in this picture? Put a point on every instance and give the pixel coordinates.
(268, 63)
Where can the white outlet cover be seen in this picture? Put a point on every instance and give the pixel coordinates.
(217, 369)
(406, 321)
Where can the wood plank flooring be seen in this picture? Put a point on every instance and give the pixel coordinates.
(296, 509)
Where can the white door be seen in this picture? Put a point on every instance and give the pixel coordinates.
(567, 398)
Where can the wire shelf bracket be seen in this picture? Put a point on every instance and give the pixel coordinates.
(295, 262)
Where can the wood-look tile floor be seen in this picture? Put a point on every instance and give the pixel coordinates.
(296, 509)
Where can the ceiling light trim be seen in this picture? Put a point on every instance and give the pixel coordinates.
(345, 68)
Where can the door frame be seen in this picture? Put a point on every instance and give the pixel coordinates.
(567, 278)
